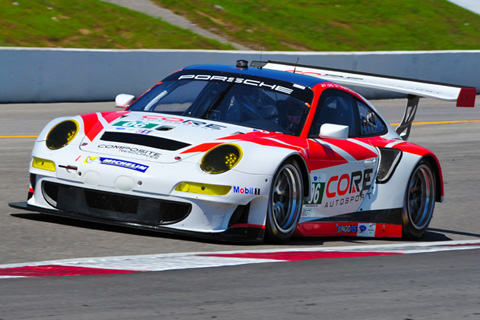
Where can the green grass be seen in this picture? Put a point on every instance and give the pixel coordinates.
(90, 24)
(313, 25)
(336, 25)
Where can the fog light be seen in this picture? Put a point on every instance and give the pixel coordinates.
(43, 164)
(202, 188)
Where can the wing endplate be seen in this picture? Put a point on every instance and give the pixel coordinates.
(466, 98)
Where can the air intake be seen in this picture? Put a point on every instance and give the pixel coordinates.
(144, 140)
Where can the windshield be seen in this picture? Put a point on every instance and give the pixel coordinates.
(247, 102)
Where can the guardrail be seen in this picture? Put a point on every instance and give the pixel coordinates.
(54, 75)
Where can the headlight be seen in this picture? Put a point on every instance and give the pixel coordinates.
(221, 158)
(62, 134)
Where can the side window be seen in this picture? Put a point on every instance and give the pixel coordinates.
(336, 107)
(370, 123)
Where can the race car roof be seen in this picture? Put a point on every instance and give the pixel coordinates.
(300, 79)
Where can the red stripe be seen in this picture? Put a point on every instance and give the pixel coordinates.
(113, 115)
(413, 149)
(300, 255)
(321, 156)
(376, 141)
(55, 270)
(91, 125)
(265, 139)
(202, 147)
(355, 150)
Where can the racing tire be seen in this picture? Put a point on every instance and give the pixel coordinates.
(419, 201)
(285, 203)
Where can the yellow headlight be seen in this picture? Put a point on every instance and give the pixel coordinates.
(221, 158)
(62, 134)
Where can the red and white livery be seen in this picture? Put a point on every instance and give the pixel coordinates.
(242, 153)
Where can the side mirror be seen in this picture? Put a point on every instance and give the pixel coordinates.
(123, 100)
(333, 131)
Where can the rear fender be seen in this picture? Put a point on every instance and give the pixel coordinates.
(426, 154)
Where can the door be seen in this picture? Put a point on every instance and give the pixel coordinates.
(343, 171)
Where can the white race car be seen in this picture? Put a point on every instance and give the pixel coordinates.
(243, 153)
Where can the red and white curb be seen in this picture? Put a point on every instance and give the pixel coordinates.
(177, 261)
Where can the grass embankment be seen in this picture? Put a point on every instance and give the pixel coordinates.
(339, 25)
(90, 24)
(313, 25)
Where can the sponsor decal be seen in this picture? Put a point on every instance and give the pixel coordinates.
(135, 124)
(246, 190)
(348, 188)
(316, 193)
(344, 201)
(326, 76)
(144, 131)
(347, 229)
(134, 130)
(118, 163)
(249, 82)
(308, 212)
(366, 230)
(131, 150)
(191, 122)
(357, 181)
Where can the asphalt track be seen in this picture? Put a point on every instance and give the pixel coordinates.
(437, 285)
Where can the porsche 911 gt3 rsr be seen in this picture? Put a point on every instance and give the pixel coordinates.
(245, 153)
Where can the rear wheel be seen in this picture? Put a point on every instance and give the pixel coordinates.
(285, 203)
(419, 201)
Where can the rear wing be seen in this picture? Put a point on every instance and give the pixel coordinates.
(464, 96)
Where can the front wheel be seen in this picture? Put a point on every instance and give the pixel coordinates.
(285, 203)
(419, 201)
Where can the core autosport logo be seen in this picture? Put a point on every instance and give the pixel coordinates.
(357, 181)
(117, 163)
(348, 188)
(131, 150)
(249, 82)
(191, 122)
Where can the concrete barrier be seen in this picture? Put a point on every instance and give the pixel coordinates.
(54, 75)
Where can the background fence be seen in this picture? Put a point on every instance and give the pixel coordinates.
(54, 75)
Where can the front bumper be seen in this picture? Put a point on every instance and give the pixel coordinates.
(236, 234)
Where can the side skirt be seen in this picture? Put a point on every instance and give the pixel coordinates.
(371, 224)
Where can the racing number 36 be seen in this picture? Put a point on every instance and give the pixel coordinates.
(316, 194)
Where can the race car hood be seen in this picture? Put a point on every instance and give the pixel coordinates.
(151, 136)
